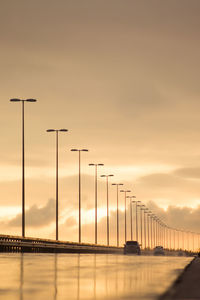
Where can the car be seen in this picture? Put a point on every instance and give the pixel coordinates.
(132, 247)
(158, 250)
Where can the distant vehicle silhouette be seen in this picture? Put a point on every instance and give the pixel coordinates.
(158, 250)
(132, 247)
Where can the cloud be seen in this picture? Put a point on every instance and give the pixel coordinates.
(183, 218)
(193, 173)
(70, 222)
(35, 216)
(170, 188)
(186, 218)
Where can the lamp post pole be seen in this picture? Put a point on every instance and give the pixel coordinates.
(174, 239)
(141, 229)
(23, 160)
(188, 240)
(125, 191)
(148, 228)
(131, 218)
(151, 230)
(145, 229)
(136, 218)
(79, 188)
(107, 176)
(154, 228)
(117, 185)
(57, 162)
(170, 238)
(96, 166)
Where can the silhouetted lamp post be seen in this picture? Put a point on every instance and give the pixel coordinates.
(23, 161)
(131, 218)
(141, 208)
(117, 185)
(136, 218)
(107, 176)
(125, 191)
(57, 131)
(96, 167)
(149, 228)
(145, 228)
(79, 189)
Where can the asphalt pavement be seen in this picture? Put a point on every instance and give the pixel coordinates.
(187, 285)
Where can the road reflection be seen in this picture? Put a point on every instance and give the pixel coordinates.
(86, 276)
(21, 276)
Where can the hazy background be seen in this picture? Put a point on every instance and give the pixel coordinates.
(123, 77)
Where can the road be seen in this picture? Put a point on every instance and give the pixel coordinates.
(86, 276)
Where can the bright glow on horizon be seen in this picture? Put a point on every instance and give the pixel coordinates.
(12, 173)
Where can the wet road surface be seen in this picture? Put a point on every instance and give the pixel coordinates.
(86, 276)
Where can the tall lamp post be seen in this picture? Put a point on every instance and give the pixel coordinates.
(79, 186)
(131, 217)
(154, 230)
(23, 160)
(96, 167)
(117, 185)
(136, 218)
(151, 222)
(125, 191)
(148, 227)
(183, 237)
(141, 209)
(107, 176)
(145, 227)
(57, 132)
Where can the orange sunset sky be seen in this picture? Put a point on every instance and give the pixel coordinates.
(123, 77)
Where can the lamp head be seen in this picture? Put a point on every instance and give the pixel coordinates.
(51, 130)
(63, 130)
(31, 100)
(15, 100)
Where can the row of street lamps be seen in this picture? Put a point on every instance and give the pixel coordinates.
(160, 233)
(154, 231)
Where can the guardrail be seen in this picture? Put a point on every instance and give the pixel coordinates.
(10, 243)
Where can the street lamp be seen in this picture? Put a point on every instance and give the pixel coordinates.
(125, 191)
(131, 197)
(136, 219)
(96, 167)
(145, 226)
(57, 131)
(23, 160)
(117, 185)
(79, 185)
(150, 230)
(107, 176)
(141, 233)
(144, 209)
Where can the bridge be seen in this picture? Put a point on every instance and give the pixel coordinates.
(9, 243)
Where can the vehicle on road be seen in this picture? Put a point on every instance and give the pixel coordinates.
(158, 250)
(132, 247)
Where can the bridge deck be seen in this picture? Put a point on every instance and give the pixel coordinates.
(10, 243)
